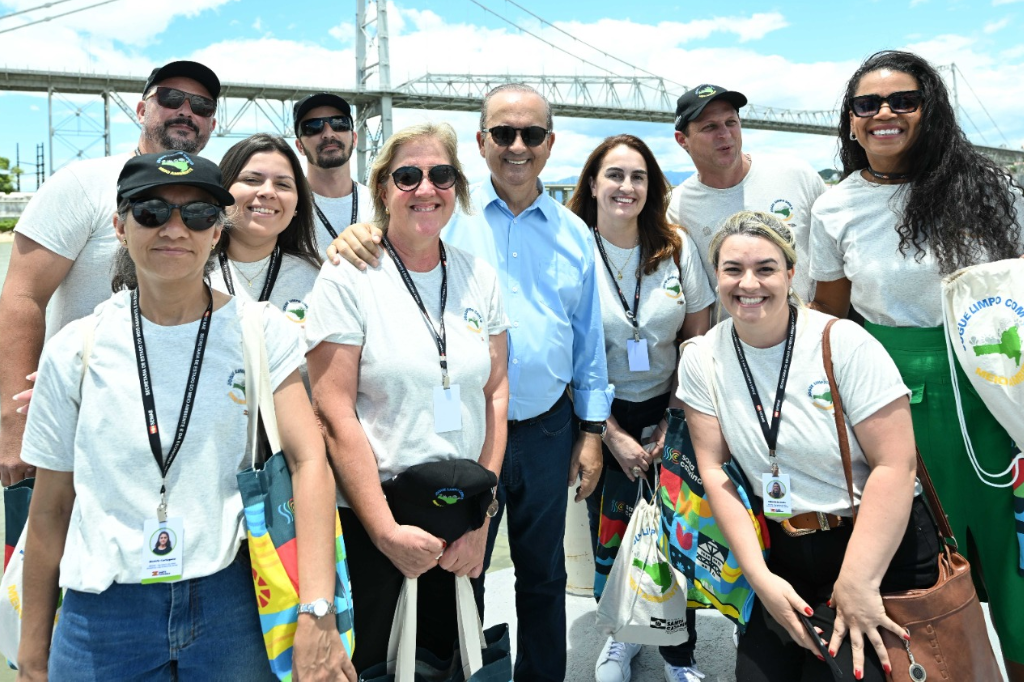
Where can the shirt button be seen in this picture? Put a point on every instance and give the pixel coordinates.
(515, 361)
(515, 324)
(515, 290)
(515, 254)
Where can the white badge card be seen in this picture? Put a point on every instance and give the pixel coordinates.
(163, 544)
(636, 351)
(447, 409)
(775, 492)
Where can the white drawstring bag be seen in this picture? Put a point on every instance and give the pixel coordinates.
(644, 600)
(983, 312)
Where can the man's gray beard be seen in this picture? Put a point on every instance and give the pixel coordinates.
(173, 143)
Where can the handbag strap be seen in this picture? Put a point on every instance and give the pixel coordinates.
(259, 396)
(931, 495)
(471, 632)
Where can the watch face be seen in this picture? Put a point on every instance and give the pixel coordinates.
(320, 608)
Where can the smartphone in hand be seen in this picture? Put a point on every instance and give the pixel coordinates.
(822, 649)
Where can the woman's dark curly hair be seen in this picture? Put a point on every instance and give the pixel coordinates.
(959, 203)
(658, 239)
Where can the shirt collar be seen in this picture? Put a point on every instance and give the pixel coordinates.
(543, 202)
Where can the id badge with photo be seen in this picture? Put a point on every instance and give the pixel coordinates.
(447, 409)
(163, 545)
(775, 493)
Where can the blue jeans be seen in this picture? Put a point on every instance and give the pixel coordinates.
(533, 488)
(202, 629)
(633, 418)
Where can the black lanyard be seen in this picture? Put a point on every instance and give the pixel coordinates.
(631, 316)
(268, 285)
(149, 404)
(771, 433)
(327, 223)
(441, 340)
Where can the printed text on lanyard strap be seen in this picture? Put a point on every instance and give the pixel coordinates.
(440, 339)
(149, 404)
(771, 432)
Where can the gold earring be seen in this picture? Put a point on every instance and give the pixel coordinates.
(213, 246)
(125, 242)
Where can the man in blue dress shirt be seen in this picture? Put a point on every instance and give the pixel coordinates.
(544, 255)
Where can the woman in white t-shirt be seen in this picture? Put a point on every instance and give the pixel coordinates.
(653, 291)
(408, 362)
(917, 203)
(834, 576)
(136, 432)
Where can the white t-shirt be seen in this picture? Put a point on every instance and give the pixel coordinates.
(664, 301)
(780, 185)
(72, 215)
(853, 235)
(97, 429)
(339, 212)
(808, 445)
(399, 366)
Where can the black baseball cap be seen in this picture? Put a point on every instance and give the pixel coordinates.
(185, 69)
(692, 102)
(146, 171)
(318, 99)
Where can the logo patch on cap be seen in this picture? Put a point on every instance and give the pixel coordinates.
(177, 163)
(706, 91)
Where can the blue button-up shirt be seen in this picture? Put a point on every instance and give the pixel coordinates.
(545, 263)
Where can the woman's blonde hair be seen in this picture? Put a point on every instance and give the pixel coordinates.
(380, 174)
(763, 226)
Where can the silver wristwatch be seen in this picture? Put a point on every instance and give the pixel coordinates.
(318, 609)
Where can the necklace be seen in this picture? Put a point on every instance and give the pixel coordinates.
(629, 256)
(250, 279)
(887, 176)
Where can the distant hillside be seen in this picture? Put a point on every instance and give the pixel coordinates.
(674, 177)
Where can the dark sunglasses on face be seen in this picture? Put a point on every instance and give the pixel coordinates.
(314, 126)
(197, 215)
(408, 178)
(505, 136)
(172, 98)
(904, 102)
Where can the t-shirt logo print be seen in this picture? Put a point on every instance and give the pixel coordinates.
(295, 310)
(236, 386)
(176, 163)
(672, 287)
(821, 395)
(781, 209)
(474, 320)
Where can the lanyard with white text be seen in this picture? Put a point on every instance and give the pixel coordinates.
(441, 340)
(771, 433)
(631, 316)
(327, 223)
(272, 269)
(149, 404)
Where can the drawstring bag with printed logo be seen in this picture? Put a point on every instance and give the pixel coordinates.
(644, 599)
(983, 312)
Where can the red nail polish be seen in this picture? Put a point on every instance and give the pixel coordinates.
(831, 653)
(829, 603)
(906, 636)
(887, 668)
(820, 657)
(858, 674)
(809, 611)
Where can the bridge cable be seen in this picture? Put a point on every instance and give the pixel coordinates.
(982, 108)
(593, 47)
(33, 9)
(57, 16)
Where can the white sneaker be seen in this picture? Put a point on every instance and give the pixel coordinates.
(614, 660)
(682, 673)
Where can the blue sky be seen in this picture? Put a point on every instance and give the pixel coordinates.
(787, 54)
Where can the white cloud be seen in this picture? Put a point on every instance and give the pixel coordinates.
(997, 3)
(993, 26)
(344, 32)
(915, 3)
(258, 24)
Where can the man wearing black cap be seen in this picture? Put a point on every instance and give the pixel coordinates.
(324, 133)
(64, 242)
(727, 180)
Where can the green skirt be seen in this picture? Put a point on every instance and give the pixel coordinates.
(981, 516)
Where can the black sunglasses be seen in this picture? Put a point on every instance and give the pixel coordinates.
(197, 215)
(172, 98)
(904, 102)
(408, 178)
(314, 126)
(505, 136)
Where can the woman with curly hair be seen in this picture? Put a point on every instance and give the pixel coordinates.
(916, 203)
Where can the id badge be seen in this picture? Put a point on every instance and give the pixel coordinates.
(447, 409)
(163, 544)
(775, 493)
(636, 351)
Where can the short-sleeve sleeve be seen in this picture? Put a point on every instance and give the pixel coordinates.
(335, 315)
(49, 440)
(285, 347)
(497, 321)
(867, 377)
(62, 215)
(693, 386)
(696, 289)
(826, 260)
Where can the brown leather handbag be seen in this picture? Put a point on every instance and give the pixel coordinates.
(948, 637)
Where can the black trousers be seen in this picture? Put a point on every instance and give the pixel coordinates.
(376, 585)
(811, 565)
